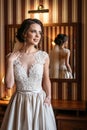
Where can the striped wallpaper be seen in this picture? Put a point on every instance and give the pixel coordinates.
(60, 11)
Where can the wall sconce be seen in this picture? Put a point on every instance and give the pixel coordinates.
(39, 10)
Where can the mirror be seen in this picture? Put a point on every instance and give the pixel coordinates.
(71, 30)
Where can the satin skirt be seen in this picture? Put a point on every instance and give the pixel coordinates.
(27, 111)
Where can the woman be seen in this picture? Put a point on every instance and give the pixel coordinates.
(30, 106)
(59, 58)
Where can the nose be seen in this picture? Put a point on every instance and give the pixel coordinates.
(37, 34)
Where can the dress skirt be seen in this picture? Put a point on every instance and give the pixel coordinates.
(27, 111)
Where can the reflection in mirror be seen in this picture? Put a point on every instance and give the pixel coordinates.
(72, 31)
(59, 58)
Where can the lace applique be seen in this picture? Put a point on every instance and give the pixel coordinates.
(32, 81)
(42, 55)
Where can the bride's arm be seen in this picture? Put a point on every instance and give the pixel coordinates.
(46, 82)
(67, 62)
(9, 78)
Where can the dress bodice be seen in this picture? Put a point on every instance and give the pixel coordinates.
(33, 80)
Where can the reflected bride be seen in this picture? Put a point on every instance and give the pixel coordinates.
(59, 59)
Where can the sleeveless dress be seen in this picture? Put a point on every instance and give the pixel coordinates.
(26, 109)
(58, 68)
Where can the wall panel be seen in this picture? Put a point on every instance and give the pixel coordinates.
(60, 11)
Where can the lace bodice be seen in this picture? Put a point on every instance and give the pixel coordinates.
(32, 80)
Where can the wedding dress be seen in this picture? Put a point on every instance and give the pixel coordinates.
(26, 109)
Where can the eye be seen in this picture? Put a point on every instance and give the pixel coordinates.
(40, 32)
(37, 32)
(33, 31)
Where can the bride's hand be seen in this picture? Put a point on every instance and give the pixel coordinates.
(47, 100)
(13, 56)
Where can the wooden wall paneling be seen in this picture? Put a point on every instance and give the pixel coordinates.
(31, 8)
(41, 2)
(59, 11)
(76, 49)
(6, 22)
(45, 39)
(64, 91)
(14, 12)
(5, 12)
(49, 39)
(69, 97)
(79, 11)
(74, 91)
(23, 9)
(72, 51)
(10, 40)
(78, 52)
(69, 11)
(6, 40)
(79, 48)
(50, 11)
(60, 90)
(79, 93)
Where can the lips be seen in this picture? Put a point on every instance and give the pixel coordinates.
(36, 40)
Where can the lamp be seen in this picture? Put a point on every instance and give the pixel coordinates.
(39, 10)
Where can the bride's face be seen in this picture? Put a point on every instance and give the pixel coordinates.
(33, 34)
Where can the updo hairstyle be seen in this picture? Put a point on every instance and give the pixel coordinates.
(24, 28)
(61, 39)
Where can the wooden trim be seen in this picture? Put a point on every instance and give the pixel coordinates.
(31, 7)
(5, 12)
(5, 22)
(60, 90)
(69, 91)
(50, 11)
(14, 12)
(69, 105)
(79, 10)
(59, 11)
(69, 11)
(23, 9)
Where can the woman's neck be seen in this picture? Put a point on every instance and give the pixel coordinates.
(29, 49)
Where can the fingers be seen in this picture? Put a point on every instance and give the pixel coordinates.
(15, 54)
(47, 101)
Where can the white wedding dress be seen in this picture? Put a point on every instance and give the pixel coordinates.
(26, 110)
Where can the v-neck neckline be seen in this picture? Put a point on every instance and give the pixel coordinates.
(27, 71)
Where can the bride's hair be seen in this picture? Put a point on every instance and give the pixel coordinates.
(61, 39)
(20, 35)
(25, 26)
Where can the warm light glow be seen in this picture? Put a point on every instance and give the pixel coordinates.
(40, 7)
(53, 43)
(3, 80)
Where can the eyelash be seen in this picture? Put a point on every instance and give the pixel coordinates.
(34, 31)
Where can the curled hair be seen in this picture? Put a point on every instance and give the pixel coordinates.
(25, 26)
(61, 39)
